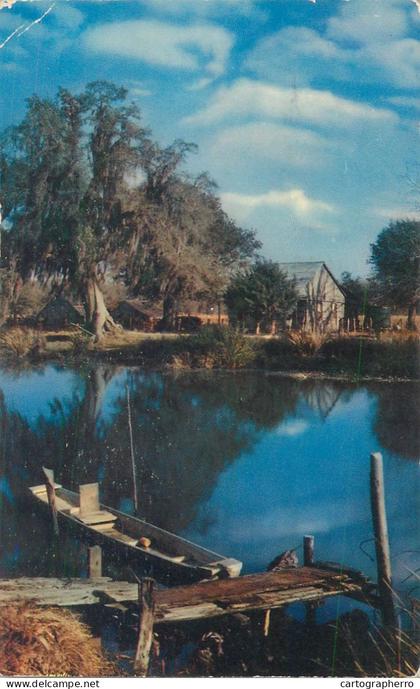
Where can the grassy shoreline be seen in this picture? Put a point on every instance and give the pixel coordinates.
(391, 357)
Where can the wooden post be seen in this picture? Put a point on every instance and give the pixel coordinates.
(380, 528)
(95, 561)
(308, 550)
(145, 638)
(308, 561)
(132, 455)
(267, 616)
(50, 486)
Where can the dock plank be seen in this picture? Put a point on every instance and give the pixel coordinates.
(202, 600)
(250, 592)
(65, 592)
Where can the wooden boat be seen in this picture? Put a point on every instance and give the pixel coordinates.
(161, 554)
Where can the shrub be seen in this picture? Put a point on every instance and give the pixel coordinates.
(21, 342)
(222, 347)
(394, 357)
(306, 343)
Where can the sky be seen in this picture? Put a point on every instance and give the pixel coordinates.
(304, 111)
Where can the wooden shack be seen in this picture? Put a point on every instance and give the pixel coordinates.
(133, 314)
(321, 300)
(58, 313)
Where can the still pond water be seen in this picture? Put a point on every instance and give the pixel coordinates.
(244, 463)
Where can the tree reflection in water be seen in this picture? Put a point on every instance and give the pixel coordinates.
(188, 428)
(397, 420)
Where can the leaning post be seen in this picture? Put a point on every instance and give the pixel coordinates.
(380, 529)
(50, 487)
(146, 621)
(308, 551)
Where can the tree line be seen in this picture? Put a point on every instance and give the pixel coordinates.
(89, 197)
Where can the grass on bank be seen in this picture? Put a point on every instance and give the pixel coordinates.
(390, 354)
(21, 342)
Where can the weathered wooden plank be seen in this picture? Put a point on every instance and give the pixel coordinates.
(251, 583)
(206, 599)
(89, 499)
(65, 592)
(212, 609)
(96, 518)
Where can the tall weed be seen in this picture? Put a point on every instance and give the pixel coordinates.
(21, 342)
(307, 343)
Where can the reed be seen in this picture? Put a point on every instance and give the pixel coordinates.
(21, 342)
(307, 343)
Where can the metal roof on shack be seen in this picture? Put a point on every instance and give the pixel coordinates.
(305, 272)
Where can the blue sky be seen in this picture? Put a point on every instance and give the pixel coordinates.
(304, 111)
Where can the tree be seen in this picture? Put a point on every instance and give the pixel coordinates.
(193, 245)
(88, 198)
(64, 182)
(361, 296)
(263, 293)
(395, 257)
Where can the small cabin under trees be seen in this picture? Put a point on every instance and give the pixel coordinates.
(321, 300)
(58, 313)
(133, 314)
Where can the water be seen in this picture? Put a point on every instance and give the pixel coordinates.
(243, 463)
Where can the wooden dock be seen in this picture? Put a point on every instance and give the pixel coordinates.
(196, 601)
(252, 592)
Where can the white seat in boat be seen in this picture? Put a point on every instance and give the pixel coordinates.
(90, 512)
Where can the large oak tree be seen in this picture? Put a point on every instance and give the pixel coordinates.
(88, 196)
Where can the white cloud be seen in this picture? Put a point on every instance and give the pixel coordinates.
(397, 213)
(164, 45)
(137, 89)
(320, 515)
(367, 21)
(292, 428)
(67, 16)
(405, 101)
(55, 28)
(304, 208)
(277, 142)
(398, 61)
(247, 98)
(295, 55)
(205, 8)
(367, 41)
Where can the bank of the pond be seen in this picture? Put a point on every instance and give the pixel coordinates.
(390, 357)
(340, 358)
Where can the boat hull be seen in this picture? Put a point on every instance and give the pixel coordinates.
(199, 563)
